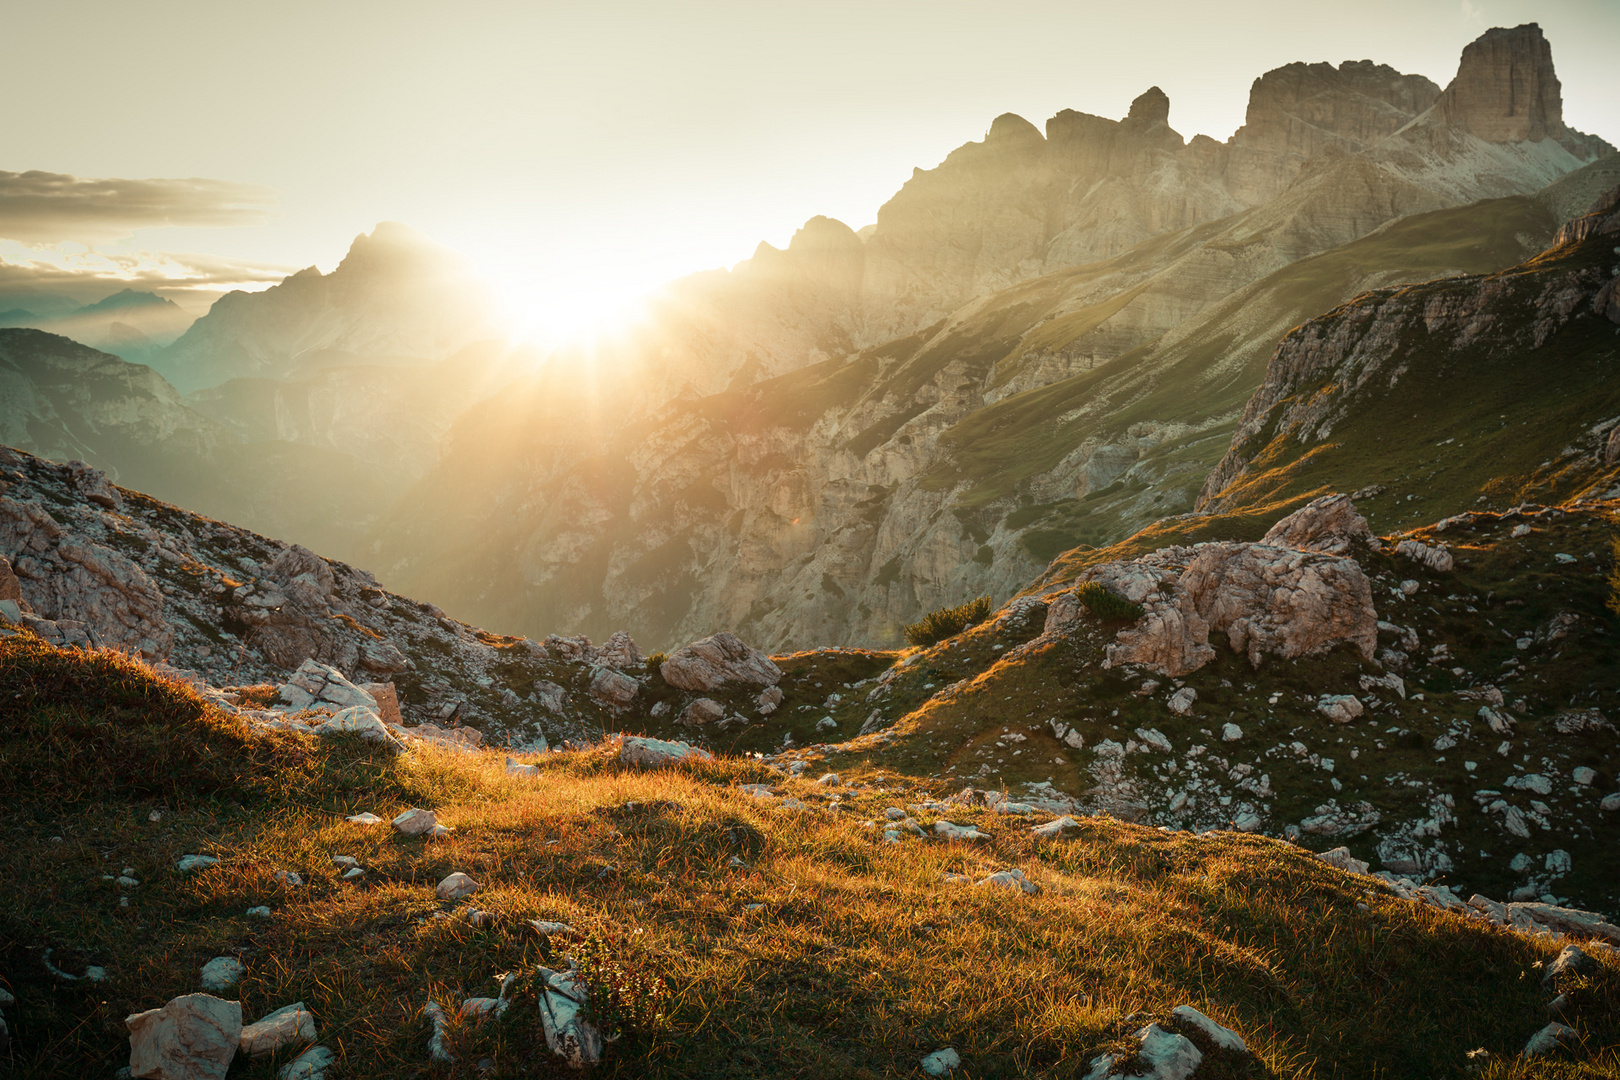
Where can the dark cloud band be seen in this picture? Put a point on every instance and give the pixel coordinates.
(41, 207)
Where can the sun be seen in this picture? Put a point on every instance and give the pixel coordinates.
(552, 309)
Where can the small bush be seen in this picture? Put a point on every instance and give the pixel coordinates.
(1104, 604)
(936, 626)
(655, 661)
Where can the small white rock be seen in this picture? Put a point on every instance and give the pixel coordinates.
(829, 780)
(310, 1065)
(456, 886)
(1583, 775)
(366, 818)
(222, 973)
(1231, 733)
(1011, 879)
(260, 912)
(415, 822)
(189, 863)
(941, 1062)
(286, 1026)
(1221, 1036)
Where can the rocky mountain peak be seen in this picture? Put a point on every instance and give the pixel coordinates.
(392, 249)
(1010, 127)
(1150, 108)
(1506, 89)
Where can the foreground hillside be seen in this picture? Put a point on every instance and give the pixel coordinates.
(720, 930)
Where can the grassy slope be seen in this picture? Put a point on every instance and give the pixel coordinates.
(1504, 588)
(859, 961)
(1208, 366)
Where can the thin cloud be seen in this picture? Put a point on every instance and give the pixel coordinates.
(47, 208)
(85, 274)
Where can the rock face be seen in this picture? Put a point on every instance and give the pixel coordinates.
(715, 661)
(1267, 600)
(872, 478)
(193, 1037)
(1392, 350)
(1505, 89)
(225, 607)
(1328, 524)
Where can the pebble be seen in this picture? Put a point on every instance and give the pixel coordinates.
(222, 973)
(941, 1062)
(188, 863)
(415, 822)
(367, 818)
(260, 912)
(310, 1065)
(1011, 879)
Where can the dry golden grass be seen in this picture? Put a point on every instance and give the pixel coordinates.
(859, 960)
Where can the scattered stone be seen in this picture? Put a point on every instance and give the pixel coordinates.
(565, 1016)
(1341, 858)
(287, 1026)
(1163, 1055)
(289, 878)
(1570, 959)
(1500, 722)
(702, 711)
(456, 886)
(1548, 1039)
(354, 873)
(1339, 708)
(1437, 559)
(717, 660)
(437, 1051)
(310, 1065)
(1231, 733)
(828, 780)
(941, 1062)
(222, 973)
(514, 767)
(645, 753)
(367, 818)
(1390, 681)
(260, 912)
(1610, 803)
(549, 929)
(613, 689)
(1059, 829)
(415, 822)
(193, 1037)
(189, 863)
(345, 861)
(1223, 1037)
(1011, 879)
(1583, 775)
(1181, 702)
(1577, 721)
(947, 830)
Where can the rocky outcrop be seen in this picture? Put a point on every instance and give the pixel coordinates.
(716, 661)
(1268, 601)
(1328, 524)
(223, 608)
(1506, 89)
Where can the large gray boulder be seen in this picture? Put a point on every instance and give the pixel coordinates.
(1269, 601)
(318, 685)
(715, 661)
(193, 1037)
(646, 753)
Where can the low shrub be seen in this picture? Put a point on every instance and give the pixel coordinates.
(936, 626)
(1104, 604)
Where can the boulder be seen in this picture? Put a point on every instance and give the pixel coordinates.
(287, 1026)
(193, 1037)
(613, 689)
(1329, 524)
(949, 830)
(1269, 601)
(1570, 959)
(1160, 1054)
(1339, 708)
(619, 651)
(1571, 921)
(317, 684)
(1181, 702)
(715, 661)
(514, 767)
(645, 753)
(565, 1016)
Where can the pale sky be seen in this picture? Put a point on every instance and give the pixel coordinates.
(582, 150)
